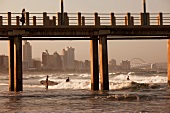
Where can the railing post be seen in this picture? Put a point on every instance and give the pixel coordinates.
(27, 18)
(129, 19)
(160, 19)
(48, 21)
(66, 19)
(79, 19)
(54, 20)
(1, 20)
(96, 19)
(44, 18)
(147, 19)
(132, 20)
(83, 21)
(9, 18)
(34, 20)
(126, 21)
(59, 19)
(113, 20)
(17, 20)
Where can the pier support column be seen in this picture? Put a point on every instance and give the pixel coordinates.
(104, 78)
(169, 62)
(11, 63)
(18, 84)
(94, 63)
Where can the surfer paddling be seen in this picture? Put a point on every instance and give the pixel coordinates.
(67, 80)
(46, 83)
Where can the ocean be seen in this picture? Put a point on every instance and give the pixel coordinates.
(143, 93)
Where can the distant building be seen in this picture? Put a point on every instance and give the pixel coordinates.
(45, 59)
(3, 62)
(112, 62)
(125, 65)
(68, 58)
(58, 61)
(27, 55)
(79, 65)
(87, 65)
(37, 64)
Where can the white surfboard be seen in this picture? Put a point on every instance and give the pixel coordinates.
(43, 82)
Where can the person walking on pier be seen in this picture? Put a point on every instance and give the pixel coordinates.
(23, 17)
(46, 83)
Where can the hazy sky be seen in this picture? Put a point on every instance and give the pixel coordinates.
(149, 51)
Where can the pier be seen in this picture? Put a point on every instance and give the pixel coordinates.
(94, 27)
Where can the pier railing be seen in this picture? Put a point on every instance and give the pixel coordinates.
(85, 19)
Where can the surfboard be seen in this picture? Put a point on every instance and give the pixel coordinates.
(43, 82)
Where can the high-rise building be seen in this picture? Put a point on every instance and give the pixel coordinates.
(45, 59)
(68, 58)
(125, 65)
(37, 64)
(3, 62)
(27, 55)
(57, 61)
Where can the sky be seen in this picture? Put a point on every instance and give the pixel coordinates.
(151, 51)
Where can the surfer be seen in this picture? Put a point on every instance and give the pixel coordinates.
(128, 78)
(46, 83)
(67, 80)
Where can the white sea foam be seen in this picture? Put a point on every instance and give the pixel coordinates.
(83, 81)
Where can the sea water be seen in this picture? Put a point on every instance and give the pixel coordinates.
(75, 96)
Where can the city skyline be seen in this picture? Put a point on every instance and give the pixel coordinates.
(149, 51)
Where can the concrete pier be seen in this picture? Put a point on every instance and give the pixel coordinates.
(94, 63)
(18, 84)
(11, 63)
(104, 78)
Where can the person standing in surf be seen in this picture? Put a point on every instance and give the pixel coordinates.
(46, 86)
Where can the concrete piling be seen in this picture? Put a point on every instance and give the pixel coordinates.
(94, 63)
(18, 84)
(104, 78)
(11, 63)
(169, 62)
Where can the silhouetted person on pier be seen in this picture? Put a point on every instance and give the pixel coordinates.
(46, 83)
(23, 17)
(67, 80)
(128, 78)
